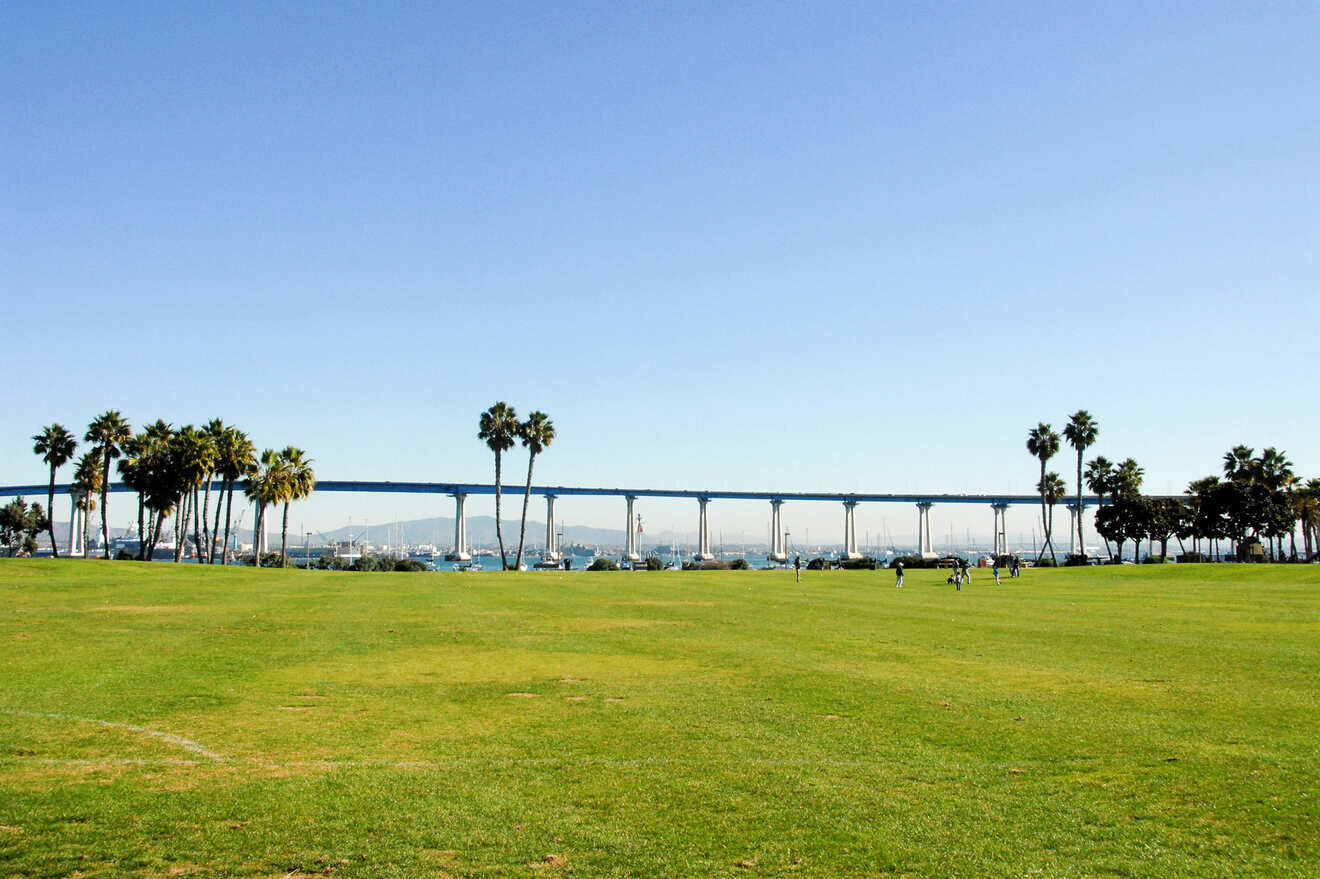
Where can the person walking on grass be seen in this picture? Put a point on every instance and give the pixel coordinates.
(996, 573)
(898, 575)
(797, 567)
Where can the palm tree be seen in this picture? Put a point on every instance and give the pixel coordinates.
(56, 446)
(236, 457)
(133, 472)
(87, 480)
(157, 471)
(1043, 442)
(214, 430)
(1081, 432)
(297, 481)
(107, 432)
(537, 432)
(1128, 477)
(263, 489)
(193, 456)
(1238, 463)
(1051, 488)
(498, 427)
(1100, 479)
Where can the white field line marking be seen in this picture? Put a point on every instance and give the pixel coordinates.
(170, 738)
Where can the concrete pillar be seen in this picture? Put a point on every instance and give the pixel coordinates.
(850, 531)
(551, 542)
(1072, 529)
(1001, 530)
(926, 544)
(703, 533)
(630, 553)
(778, 552)
(74, 531)
(460, 553)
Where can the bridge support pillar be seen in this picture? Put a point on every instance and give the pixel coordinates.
(460, 553)
(1001, 530)
(703, 533)
(1072, 528)
(629, 527)
(778, 553)
(551, 553)
(925, 543)
(75, 524)
(850, 531)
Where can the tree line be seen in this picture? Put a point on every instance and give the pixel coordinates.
(172, 471)
(1257, 498)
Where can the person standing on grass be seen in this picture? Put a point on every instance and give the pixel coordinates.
(967, 571)
(996, 573)
(797, 567)
(898, 575)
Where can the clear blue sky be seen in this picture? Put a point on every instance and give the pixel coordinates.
(838, 246)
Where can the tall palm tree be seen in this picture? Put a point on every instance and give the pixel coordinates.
(536, 433)
(297, 481)
(1051, 488)
(107, 432)
(236, 457)
(1238, 463)
(1128, 477)
(1081, 432)
(214, 430)
(87, 480)
(157, 468)
(133, 472)
(1043, 443)
(56, 446)
(193, 456)
(1100, 479)
(499, 427)
(263, 490)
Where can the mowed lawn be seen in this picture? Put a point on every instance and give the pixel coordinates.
(161, 720)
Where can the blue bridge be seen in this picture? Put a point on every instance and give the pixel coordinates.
(999, 504)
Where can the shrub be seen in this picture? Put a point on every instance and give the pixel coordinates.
(910, 561)
(654, 564)
(865, 563)
(1189, 557)
(1047, 562)
(1075, 560)
(409, 565)
(817, 565)
(739, 565)
(603, 564)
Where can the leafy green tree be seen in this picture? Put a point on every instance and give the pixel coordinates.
(536, 433)
(107, 432)
(297, 482)
(1165, 517)
(20, 525)
(1043, 443)
(56, 446)
(499, 428)
(1081, 432)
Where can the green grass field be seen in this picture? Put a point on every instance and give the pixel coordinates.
(158, 720)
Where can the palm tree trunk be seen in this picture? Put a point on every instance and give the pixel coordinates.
(256, 533)
(142, 526)
(181, 526)
(527, 496)
(284, 538)
(1081, 541)
(499, 527)
(50, 508)
(208, 531)
(197, 537)
(1040, 555)
(229, 517)
(105, 488)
